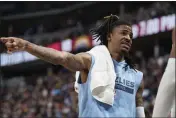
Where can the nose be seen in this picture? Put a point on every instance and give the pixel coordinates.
(127, 39)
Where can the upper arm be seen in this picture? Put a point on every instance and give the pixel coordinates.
(139, 99)
(78, 62)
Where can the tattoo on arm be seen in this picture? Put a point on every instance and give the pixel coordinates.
(139, 99)
(79, 62)
(70, 61)
(46, 54)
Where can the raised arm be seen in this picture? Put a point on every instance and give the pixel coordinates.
(166, 91)
(78, 62)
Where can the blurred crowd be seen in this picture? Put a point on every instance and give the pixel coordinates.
(154, 10)
(53, 95)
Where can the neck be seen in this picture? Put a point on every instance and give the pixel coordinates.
(115, 55)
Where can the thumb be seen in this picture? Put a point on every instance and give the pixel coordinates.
(9, 51)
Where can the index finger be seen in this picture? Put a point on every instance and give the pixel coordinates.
(6, 39)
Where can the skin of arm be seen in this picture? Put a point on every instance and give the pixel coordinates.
(78, 62)
(139, 99)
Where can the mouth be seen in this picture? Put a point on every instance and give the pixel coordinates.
(125, 46)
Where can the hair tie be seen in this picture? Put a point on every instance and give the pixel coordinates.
(107, 17)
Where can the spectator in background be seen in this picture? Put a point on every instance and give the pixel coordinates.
(40, 29)
(43, 99)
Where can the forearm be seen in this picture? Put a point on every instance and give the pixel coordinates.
(78, 62)
(47, 54)
(139, 102)
(166, 91)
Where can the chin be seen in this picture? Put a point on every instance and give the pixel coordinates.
(124, 52)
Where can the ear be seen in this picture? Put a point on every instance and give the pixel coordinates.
(109, 36)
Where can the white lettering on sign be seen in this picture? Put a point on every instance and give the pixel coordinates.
(135, 30)
(167, 22)
(142, 29)
(152, 26)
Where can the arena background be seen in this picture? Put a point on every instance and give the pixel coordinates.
(33, 88)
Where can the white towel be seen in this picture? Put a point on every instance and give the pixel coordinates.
(102, 74)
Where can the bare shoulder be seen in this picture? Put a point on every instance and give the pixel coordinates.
(85, 58)
(84, 55)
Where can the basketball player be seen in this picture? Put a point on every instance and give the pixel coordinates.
(166, 92)
(116, 35)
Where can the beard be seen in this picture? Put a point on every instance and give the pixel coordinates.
(125, 53)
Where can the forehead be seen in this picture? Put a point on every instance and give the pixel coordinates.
(123, 27)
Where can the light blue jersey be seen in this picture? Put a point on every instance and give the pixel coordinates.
(126, 85)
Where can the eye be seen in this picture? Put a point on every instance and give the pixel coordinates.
(124, 33)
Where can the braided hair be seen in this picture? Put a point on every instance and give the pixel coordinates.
(101, 32)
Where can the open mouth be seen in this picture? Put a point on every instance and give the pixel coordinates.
(126, 43)
(126, 46)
